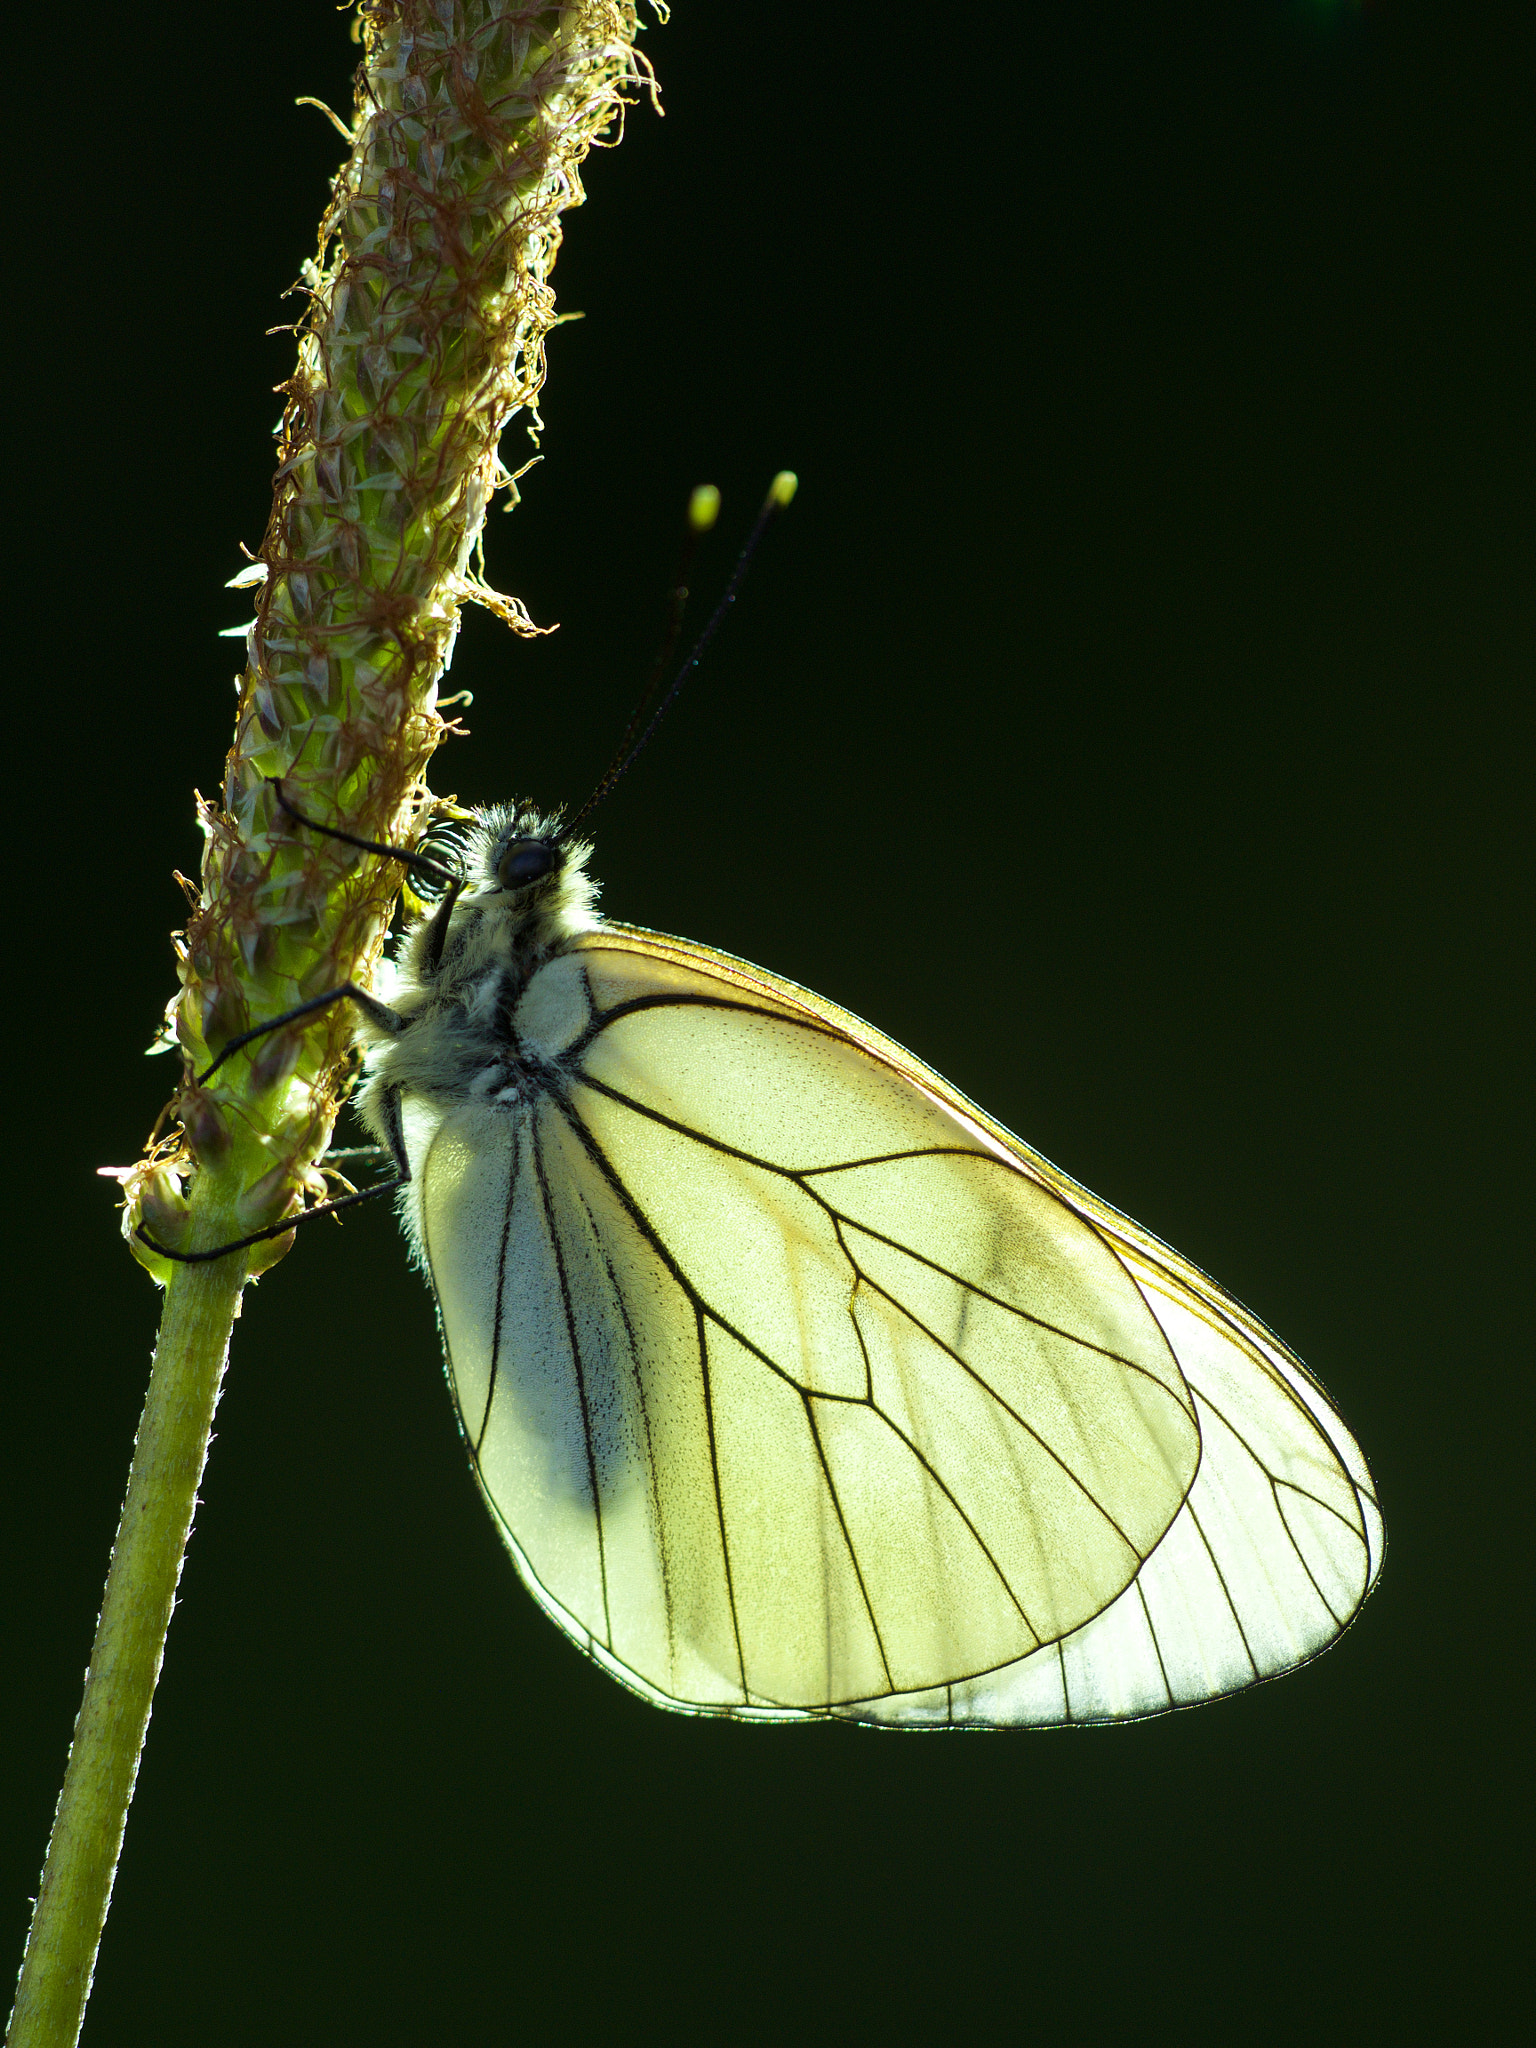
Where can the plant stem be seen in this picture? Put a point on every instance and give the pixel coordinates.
(428, 307)
(169, 1452)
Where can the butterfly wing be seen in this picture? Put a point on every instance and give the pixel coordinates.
(798, 1387)
(1266, 1563)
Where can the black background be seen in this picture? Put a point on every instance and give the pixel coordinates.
(1131, 716)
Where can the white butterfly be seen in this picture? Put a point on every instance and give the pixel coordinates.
(799, 1388)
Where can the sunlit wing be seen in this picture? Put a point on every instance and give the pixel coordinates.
(798, 1387)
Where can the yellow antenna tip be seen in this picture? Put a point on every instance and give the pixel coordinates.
(703, 508)
(783, 488)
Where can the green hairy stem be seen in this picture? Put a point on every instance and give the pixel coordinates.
(428, 305)
(168, 1456)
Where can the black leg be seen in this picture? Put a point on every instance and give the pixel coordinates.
(378, 1014)
(394, 1137)
(394, 1134)
(437, 931)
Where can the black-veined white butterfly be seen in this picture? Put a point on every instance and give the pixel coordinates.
(799, 1388)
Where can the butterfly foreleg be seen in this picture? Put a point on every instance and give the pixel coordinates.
(389, 1023)
(394, 1135)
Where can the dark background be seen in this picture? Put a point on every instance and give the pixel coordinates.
(1132, 716)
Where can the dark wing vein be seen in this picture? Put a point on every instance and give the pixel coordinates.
(1009, 1308)
(1302, 1493)
(698, 1137)
(1225, 1590)
(1285, 1523)
(674, 1000)
(704, 1312)
(1235, 1335)
(658, 1244)
(714, 1466)
(501, 1275)
(574, 1337)
(645, 1417)
(1304, 1410)
(1007, 1408)
(858, 1334)
(848, 1543)
(1162, 1668)
(976, 1536)
(799, 1177)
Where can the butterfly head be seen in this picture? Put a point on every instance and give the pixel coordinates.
(527, 880)
(525, 895)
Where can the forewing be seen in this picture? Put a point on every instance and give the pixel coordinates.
(797, 1387)
(1006, 1356)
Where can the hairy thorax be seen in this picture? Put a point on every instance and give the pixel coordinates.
(459, 1040)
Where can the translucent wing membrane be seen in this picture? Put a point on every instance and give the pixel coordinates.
(798, 1388)
(1268, 1560)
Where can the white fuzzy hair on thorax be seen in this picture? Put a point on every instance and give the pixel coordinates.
(497, 939)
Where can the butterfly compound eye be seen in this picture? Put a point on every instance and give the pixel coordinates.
(525, 861)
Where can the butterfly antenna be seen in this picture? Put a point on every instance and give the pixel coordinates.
(703, 511)
(780, 492)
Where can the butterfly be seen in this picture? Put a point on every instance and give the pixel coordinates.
(799, 1388)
